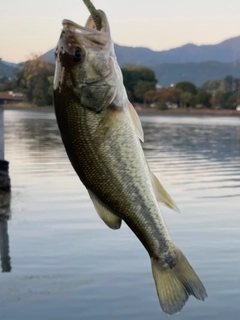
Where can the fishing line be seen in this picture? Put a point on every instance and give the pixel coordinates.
(94, 13)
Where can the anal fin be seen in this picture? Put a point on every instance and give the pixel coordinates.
(161, 194)
(111, 220)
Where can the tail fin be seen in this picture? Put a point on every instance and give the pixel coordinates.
(175, 285)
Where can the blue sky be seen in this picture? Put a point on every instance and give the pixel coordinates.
(34, 26)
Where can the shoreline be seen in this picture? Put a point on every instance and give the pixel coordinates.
(147, 111)
(28, 108)
(189, 112)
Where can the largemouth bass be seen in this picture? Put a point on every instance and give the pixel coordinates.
(101, 133)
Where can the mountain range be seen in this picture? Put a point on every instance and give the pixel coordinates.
(190, 62)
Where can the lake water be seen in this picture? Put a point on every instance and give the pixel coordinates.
(60, 261)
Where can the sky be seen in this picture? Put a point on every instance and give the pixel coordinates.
(28, 27)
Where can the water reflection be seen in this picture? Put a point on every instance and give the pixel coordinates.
(5, 200)
(38, 130)
(211, 142)
(195, 156)
(68, 265)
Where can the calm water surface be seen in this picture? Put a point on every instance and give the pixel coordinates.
(65, 264)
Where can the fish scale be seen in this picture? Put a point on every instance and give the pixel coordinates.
(122, 185)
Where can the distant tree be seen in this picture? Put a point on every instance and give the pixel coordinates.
(186, 99)
(141, 88)
(173, 95)
(203, 98)
(35, 80)
(151, 96)
(40, 88)
(163, 96)
(137, 81)
(225, 100)
(212, 86)
(229, 83)
(187, 87)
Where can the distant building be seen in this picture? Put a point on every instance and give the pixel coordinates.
(171, 105)
(17, 94)
(11, 97)
(153, 105)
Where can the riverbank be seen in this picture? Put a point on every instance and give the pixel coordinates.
(28, 107)
(188, 112)
(146, 111)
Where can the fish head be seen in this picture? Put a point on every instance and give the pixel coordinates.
(86, 63)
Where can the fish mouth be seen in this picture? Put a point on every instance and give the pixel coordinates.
(89, 31)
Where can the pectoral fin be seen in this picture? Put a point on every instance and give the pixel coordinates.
(111, 220)
(162, 195)
(112, 119)
(136, 121)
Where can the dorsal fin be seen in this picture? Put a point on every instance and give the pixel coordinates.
(136, 121)
(111, 220)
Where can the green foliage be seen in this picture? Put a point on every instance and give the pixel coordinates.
(141, 88)
(40, 88)
(164, 96)
(227, 84)
(187, 87)
(174, 95)
(138, 80)
(35, 80)
(225, 100)
(186, 99)
(225, 92)
(203, 98)
(186, 95)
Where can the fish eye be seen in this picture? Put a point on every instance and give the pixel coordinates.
(78, 54)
